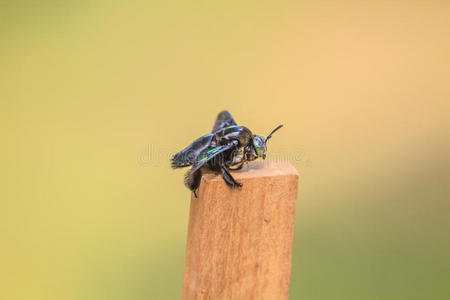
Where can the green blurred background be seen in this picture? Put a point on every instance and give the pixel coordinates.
(95, 95)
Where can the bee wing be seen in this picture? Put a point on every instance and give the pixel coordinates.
(224, 119)
(206, 156)
(187, 156)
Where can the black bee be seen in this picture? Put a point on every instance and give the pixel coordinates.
(227, 147)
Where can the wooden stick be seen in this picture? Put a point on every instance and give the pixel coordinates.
(240, 240)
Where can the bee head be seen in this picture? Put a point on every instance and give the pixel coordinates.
(260, 143)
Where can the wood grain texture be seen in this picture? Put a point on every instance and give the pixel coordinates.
(240, 240)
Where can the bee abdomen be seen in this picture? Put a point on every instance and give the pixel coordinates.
(192, 179)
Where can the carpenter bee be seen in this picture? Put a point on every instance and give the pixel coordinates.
(227, 147)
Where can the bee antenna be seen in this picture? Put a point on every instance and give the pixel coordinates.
(273, 131)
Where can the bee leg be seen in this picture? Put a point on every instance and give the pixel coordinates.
(239, 167)
(229, 179)
(192, 180)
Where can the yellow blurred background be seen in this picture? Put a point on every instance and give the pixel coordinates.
(95, 95)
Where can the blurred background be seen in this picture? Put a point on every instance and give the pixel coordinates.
(95, 95)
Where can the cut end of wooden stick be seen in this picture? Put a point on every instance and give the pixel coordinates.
(240, 239)
(255, 169)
